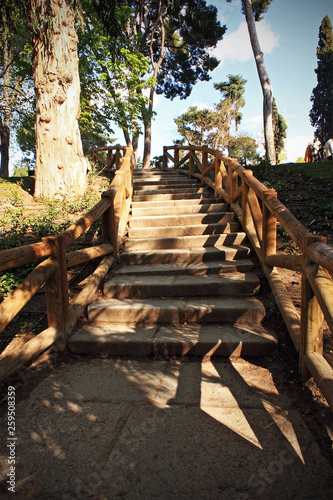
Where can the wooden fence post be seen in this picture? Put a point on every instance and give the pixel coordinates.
(204, 162)
(246, 212)
(176, 157)
(232, 176)
(165, 158)
(110, 227)
(311, 339)
(56, 286)
(218, 176)
(269, 227)
(191, 163)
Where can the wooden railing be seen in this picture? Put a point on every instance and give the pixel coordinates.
(62, 316)
(112, 155)
(259, 210)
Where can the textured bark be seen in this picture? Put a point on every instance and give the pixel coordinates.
(265, 84)
(6, 113)
(4, 136)
(156, 66)
(61, 168)
(135, 145)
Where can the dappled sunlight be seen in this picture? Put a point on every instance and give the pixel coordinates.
(146, 427)
(234, 420)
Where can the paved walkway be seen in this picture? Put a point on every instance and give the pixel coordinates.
(145, 429)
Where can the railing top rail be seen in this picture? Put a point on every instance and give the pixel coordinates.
(321, 253)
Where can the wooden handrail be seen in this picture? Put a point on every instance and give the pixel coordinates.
(114, 207)
(258, 210)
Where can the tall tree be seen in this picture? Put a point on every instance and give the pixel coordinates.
(232, 92)
(61, 168)
(13, 73)
(280, 131)
(212, 126)
(176, 37)
(244, 148)
(194, 124)
(111, 80)
(253, 11)
(321, 114)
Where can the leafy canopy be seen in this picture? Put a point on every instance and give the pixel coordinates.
(321, 114)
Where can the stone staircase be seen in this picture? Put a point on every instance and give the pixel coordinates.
(185, 284)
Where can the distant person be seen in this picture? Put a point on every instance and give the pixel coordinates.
(308, 153)
(316, 146)
(328, 151)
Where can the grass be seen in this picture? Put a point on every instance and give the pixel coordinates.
(20, 226)
(306, 190)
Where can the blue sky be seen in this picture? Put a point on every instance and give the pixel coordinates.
(288, 36)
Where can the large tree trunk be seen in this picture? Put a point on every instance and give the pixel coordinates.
(265, 84)
(135, 145)
(61, 168)
(4, 138)
(156, 66)
(147, 145)
(5, 121)
(127, 137)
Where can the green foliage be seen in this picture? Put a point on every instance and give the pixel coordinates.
(321, 114)
(191, 28)
(305, 189)
(244, 148)
(232, 93)
(280, 130)
(17, 228)
(259, 8)
(23, 168)
(212, 126)
(111, 85)
(25, 133)
(15, 65)
(194, 124)
(157, 162)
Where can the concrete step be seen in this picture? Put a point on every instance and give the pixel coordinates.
(162, 184)
(167, 340)
(179, 231)
(215, 267)
(171, 174)
(209, 240)
(185, 255)
(174, 311)
(182, 219)
(138, 287)
(169, 196)
(177, 203)
(180, 210)
(155, 172)
(186, 284)
(171, 190)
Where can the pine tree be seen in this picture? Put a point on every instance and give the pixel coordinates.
(321, 114)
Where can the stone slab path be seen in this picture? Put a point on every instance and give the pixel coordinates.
(144, 429)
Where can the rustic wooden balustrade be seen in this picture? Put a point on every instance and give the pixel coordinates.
(62, 316)
(258, 210)
(112, 157)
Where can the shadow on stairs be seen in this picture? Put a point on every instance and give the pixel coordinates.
(186, 284)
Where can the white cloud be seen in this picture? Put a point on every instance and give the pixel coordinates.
(296, 146)
(253, 123)
(237, 47)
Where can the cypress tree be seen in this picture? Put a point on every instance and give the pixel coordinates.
(280, 130)
(321, 114)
